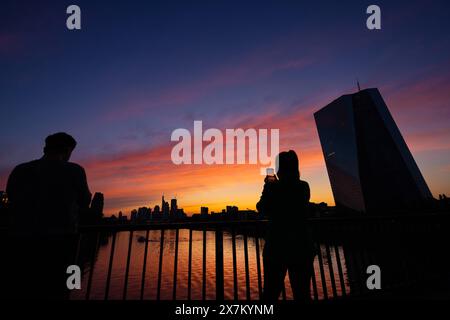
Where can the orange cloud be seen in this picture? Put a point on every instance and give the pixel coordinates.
(140, 178)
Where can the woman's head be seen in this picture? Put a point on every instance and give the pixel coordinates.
(288, 166)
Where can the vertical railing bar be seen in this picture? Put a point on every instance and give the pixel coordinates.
(127, 268)
(235, 279)
(283, 291)
(258, 264)
(247, 271)
(359, 261)
(322, 273)
(352, 268)
(368, 256)
(219, 265)
(144, 267)
(111, 258)
(330, 268)
(314, 283)
(91, 270)
(341, 274)
(204, 265)
(161, 254)
(409, 277)
(357, 271)
(175, 267)
(77, 250)
(190, 264)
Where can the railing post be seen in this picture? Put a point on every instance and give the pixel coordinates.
(258, 263)
(127, 270)
(111, 259)
(161, 255)
(219, 264)
(204, 265)
(92, 265)
(175, 267)
(235, 280)
(144, 267)
(190, 265)
(247, 270)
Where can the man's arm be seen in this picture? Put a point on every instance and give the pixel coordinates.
(83, 193)
(12, 185)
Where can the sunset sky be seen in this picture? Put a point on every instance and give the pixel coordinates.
(140, 69)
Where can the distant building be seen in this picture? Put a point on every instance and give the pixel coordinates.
(369, 164)
(121, 217)
(3, 199)
(232, 210)
(3, 208)
(196, 216)
(247, 214)
(218, 214)
(143, 214)
(165, 207)
(204, 211)
(173, 207)
(133, 216)
(180, 213)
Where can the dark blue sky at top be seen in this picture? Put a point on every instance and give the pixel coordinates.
(139, 69)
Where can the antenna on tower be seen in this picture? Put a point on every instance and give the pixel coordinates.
(357, 83)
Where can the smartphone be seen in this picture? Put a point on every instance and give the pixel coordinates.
(270, 175)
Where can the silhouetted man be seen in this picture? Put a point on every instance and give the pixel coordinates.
(288, 246)
(46, 197)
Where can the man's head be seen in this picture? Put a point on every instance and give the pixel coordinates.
(59, 146)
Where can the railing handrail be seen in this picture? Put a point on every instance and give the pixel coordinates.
(168, 225)
(231, 223)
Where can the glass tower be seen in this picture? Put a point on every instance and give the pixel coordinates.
(369, 164)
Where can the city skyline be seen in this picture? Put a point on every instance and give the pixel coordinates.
(133, 74)
(166, 209)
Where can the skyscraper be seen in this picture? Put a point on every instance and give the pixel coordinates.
(204, 211)
(369, 164)
(173, 207)
(164, 207)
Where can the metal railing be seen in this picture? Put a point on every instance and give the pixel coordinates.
(345, 247)
(217, 226)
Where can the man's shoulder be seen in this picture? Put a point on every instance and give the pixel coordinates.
(26, 165)
(75, 167)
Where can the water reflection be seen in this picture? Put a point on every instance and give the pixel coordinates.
(100, 267)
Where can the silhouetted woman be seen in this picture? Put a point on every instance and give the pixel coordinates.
(288, 246)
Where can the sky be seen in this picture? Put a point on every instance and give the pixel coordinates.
(138, 70)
